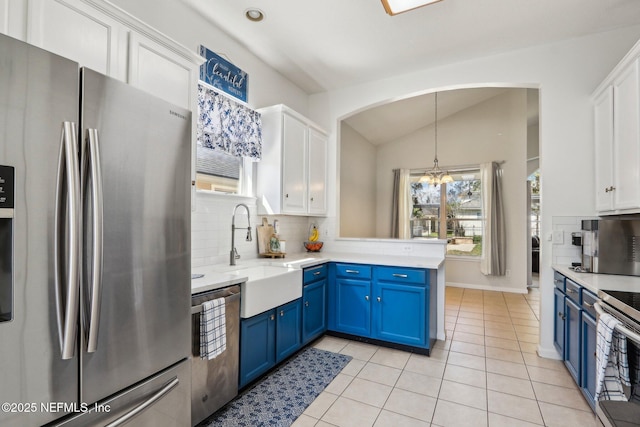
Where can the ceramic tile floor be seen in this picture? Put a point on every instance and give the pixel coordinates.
(486, 373)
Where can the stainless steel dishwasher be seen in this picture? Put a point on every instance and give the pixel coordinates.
(215, 382)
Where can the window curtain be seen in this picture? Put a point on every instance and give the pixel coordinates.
(228, 126)
(494, 241)
(401, 204)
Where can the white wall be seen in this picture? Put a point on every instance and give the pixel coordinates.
(181, 23)
(358, 191)
(566, 74)
(494, 130)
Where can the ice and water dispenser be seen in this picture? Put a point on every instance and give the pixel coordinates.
(6, 242)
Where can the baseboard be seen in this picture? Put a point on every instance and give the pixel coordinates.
(486, 288)
(549, 353)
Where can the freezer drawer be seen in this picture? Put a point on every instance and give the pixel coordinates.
(160, 401)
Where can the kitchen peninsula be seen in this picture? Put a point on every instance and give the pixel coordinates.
(219, 276)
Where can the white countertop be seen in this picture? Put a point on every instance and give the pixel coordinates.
(596, 282)
(217, 276)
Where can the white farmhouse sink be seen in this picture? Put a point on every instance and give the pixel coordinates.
(267, 287)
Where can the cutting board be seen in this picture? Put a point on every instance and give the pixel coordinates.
(265, 231)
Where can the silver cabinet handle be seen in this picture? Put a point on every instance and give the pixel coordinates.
(306, 303)
(557, 281)
(588, 305)
(403, 276)
(281, 313)
(272, 317)
(571, 291)
(366, 297)
(92, 163)
(67, 257)
(352, 271)
(379, 299)
(144, 405)
(317, 273)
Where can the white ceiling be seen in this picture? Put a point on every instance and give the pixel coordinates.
(321, 45)
(327, 44)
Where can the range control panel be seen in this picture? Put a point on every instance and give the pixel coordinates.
(7, 193)
(7, 174)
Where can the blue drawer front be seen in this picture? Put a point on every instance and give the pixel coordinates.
(402, 275)
(558, 280)
(354, 271)
(588, 299)
(573, 291)
(315, 273)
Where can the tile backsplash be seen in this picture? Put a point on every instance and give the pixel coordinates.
(563, 252)
(211, 229)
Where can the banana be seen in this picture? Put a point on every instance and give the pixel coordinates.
(313, 237)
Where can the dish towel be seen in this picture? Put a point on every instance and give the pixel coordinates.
(213, 329)
(611, 360)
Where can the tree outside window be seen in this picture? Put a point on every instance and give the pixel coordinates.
(461, 204)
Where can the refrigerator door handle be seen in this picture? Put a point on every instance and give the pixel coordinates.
(97, 227)
(67, 239)
(144, 405)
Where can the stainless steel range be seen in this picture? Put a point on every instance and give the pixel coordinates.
(625, 306)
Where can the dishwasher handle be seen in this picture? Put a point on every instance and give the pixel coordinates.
(198, 308)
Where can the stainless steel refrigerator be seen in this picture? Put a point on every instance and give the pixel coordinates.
(94, 248)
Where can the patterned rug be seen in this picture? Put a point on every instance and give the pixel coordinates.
(280, 397)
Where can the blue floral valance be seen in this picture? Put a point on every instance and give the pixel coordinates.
(228, 126)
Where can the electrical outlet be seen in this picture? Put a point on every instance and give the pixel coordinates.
(558, 237)
(407, 249)
(508, 272)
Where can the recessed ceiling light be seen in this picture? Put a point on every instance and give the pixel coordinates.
(255, 15)
(393, 7)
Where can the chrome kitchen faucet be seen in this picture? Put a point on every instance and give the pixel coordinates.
(234, 255)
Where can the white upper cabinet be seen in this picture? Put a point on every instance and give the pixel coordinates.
(160, 71)
(617, 138)
(292, 175)
(317, 172)
(105, 38)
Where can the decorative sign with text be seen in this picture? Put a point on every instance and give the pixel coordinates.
(223, 75)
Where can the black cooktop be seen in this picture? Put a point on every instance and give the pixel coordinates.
(627, 302)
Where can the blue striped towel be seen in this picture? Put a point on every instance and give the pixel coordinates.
(611, 360)
(213, 329)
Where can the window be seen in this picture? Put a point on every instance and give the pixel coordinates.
(450, 211)
(217, 171)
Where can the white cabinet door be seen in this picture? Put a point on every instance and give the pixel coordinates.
(626, 139)
(73, 29)
(155, 69)
(603, 119)
(13, 18)
(317, 172)
(294, 167)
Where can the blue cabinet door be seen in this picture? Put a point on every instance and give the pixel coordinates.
(353, 306)
(314, 310)
(399, 313)
(559, 321)
(288, 325)
(572, 339)
(257, 346)
(589, 358)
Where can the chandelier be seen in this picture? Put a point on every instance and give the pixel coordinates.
(436, 176)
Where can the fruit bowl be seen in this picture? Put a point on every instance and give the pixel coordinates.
(313, 246)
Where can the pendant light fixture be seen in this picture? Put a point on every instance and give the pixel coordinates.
(436, 176)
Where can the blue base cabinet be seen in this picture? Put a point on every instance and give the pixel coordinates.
(288, 327)
(575, 332)
(257, 346)
(386, 304)
(314, 303)
(268, 338)
(400, 306)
